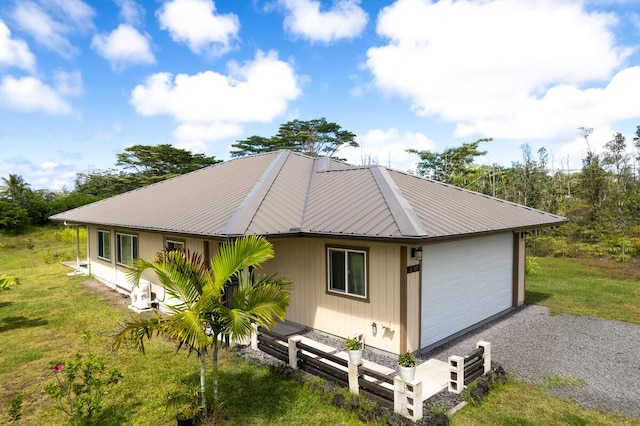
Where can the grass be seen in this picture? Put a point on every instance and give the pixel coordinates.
(518, 403)
(43, 320)
(592, 287)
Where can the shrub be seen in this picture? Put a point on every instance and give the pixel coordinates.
(81, 385)
(15, 409)
(531, 265)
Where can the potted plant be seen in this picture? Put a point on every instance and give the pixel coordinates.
(407, 364)
(354, 347)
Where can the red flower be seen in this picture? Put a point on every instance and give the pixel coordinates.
(58, 368)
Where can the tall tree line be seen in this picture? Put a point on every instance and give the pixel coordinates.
(602, 199)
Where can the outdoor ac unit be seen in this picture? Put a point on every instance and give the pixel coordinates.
(141, 296)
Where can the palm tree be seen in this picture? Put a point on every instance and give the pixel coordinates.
(13, 187)
(201, 316)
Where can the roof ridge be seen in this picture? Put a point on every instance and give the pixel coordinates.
(407, 220)
(308, 192)
(246, 211)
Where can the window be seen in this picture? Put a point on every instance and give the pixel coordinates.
(347, 271)
(172, 245)
(104, 245)
(127, 246)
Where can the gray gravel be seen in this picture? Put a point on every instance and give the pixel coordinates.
(530, 344)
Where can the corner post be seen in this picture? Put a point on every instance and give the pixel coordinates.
(293, 351)
(486, 355)
(456, 374)
(407, 398)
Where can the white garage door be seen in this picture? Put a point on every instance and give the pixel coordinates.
(463, 283)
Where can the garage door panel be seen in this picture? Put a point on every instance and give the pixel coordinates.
(463, 283)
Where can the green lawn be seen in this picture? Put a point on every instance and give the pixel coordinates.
(593, 287)
(517, 403)
(43, 319)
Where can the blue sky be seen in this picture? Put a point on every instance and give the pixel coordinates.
(81, 81)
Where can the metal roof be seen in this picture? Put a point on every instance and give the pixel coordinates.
(289, 193)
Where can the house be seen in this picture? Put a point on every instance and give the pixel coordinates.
(408, 262)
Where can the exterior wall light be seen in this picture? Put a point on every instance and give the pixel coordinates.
(416, 252)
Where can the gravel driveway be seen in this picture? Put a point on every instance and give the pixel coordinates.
(531, 344)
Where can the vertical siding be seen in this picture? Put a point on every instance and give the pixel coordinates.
(304, 261)
(413, 305)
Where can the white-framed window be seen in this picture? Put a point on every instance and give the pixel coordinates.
(104, 245)
(171, 245)
(126, 249)
(347, 271)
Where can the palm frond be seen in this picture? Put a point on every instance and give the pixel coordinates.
(239, 254)
(136, 332)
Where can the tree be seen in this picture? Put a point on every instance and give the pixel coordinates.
(162, 160)
(636, 143)
(143, 165)
(13, 187)
(316, 137)
(13, 217)
(453, 165)
(208, 309)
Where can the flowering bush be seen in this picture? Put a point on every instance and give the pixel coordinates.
(80, 386)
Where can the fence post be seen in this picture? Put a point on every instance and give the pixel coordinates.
(486, 355)
(354, 387)
(403, 392)
(254, 337)
(456, 374)
(293, 351)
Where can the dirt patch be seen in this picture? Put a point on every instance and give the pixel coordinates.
(110, 296)
(611, 269)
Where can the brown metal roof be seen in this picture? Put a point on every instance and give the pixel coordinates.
(284, 192)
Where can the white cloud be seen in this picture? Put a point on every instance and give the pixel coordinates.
(49, 175)
(188, 133)
(195, 23)
(304, 19)
(51, 23)
(563, 108)
(124, 46)
(14, 52)
(29, 94)
(73, 13)
(130, 12)
(508, 69)
(68, 83)
(258, 90)
(387, 148)
(210, 106)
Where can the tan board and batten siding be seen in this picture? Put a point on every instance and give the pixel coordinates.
(302, 204)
